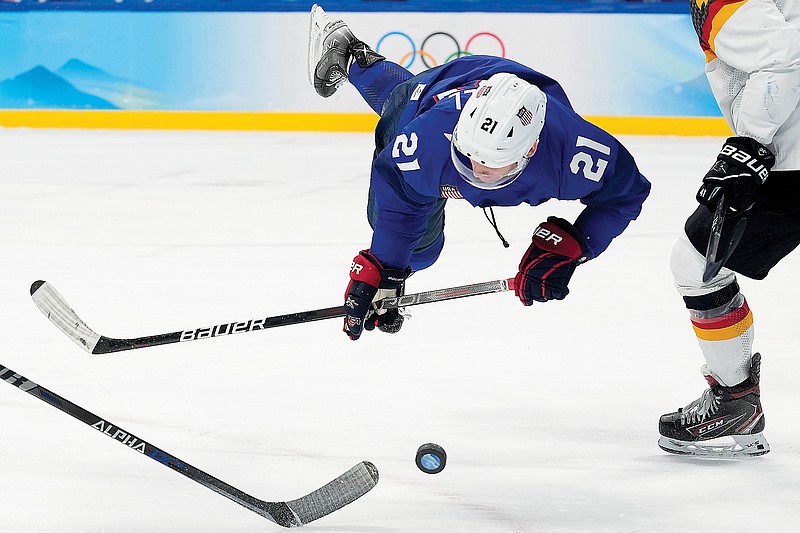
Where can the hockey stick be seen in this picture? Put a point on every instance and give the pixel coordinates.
(56, 308)
(341, 491)
(713, 265)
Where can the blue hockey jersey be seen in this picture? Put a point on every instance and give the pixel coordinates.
(575, 160)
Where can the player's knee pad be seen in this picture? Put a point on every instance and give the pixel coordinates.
(687, 265)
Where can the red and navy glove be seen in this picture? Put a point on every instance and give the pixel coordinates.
(371, 281)
(740, 170)
(557, 248)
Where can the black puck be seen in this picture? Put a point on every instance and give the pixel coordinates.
(431, 458)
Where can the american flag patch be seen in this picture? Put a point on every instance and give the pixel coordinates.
(524, 115)
(450, 191)
(483, 90)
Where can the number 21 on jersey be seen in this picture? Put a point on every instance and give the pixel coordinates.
(590, 161)
(407, 145)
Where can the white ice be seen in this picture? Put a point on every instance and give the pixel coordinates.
(548, 414)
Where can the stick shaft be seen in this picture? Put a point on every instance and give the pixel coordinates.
(137, 444)
(56, 308)
(334, 495)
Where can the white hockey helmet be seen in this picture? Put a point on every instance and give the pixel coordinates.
(497, 128)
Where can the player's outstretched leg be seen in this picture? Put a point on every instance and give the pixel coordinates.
(720, 412)
(332, 48)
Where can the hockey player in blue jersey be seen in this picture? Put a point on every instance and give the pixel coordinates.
(485, 129)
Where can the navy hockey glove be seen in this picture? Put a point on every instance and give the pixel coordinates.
(741, 168)
(557, 248)
(371, 281)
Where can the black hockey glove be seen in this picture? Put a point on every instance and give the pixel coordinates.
(371, 281)
(547, 266)
(741, 168)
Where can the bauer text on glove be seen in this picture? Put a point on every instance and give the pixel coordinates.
(740, 170)
(556, 249)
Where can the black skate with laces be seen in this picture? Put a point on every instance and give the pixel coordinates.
(332, 47)
(707, 425)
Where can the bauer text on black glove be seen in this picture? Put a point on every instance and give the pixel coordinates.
(740, 170)
(557, 248)
(371, 281)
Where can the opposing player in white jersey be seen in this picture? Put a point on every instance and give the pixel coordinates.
(752, 50)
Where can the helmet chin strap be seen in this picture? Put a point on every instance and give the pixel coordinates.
(493, 222)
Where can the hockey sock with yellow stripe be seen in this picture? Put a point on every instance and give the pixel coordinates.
(723, 324)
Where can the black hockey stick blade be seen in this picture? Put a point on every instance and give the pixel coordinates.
(714, 238)
(714, 265)
(56, 308)
(713, 269)
(342, 491)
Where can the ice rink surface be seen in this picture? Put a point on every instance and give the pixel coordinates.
(548, 414)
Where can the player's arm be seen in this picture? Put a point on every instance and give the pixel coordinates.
(618, 199)
(753, 37)
(399, 222)
(557, 246)
(401, 208)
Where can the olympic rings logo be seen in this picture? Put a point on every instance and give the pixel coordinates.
(438, 45)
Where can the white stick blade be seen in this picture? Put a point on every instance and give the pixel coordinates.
(56, 308)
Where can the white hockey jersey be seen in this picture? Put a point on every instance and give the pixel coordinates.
(752, 52)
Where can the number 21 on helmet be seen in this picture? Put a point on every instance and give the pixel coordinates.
(497, 131)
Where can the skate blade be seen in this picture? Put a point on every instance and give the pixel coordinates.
(742, 446)
(318, 20)
(320, 25)
(314, 40)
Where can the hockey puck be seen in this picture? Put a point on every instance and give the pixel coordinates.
(431, 458)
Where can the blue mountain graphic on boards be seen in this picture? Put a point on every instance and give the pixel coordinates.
(39, 88)
(77, 85)
(124, 93)
(77, 69)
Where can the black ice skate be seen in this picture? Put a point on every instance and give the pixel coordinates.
(332, 47)
(705, 426)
